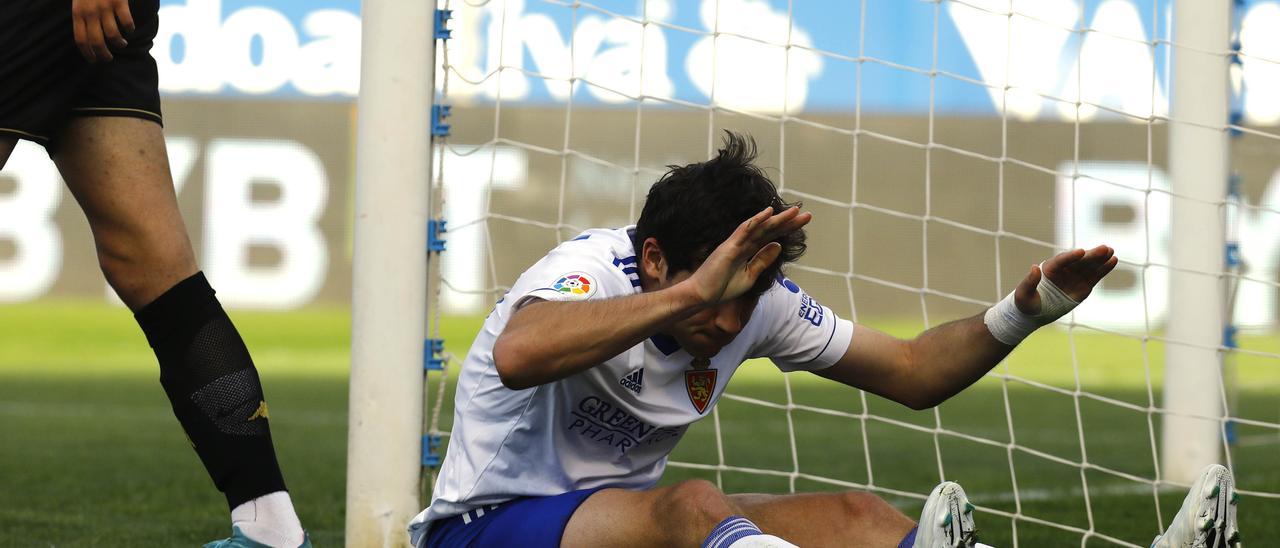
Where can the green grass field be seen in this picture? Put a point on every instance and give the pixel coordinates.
(91, 455)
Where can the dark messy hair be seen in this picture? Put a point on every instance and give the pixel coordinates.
(693, 208)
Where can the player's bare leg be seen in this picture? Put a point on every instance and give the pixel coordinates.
(678, 515)
(686, 513)
(6, 148)
(851, 518)
(118, 171)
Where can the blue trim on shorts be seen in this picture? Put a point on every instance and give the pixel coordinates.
(534, 522)
(909, 540)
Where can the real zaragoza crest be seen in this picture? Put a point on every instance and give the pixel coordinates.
(700, 383)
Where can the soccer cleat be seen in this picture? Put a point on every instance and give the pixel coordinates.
(947, 519)
(1208, 515)
(239, 540)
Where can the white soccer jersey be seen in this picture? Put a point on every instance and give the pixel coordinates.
(614, 424)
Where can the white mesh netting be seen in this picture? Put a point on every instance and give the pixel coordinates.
(943, 147)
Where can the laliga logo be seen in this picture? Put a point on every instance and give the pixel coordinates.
(576, 284)
(197, 50)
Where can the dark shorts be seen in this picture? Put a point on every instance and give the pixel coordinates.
(44, 81)
(537, 522)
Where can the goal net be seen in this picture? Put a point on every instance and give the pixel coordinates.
(943, 147)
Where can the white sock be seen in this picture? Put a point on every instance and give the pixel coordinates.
(270, 519)
(740, 532)
(761, 541)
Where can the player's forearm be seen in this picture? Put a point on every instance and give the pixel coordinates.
(950, 357)
(547, 341)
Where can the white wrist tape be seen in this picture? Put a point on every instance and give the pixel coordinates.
(1009, 325)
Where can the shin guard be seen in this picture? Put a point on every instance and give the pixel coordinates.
(209, 377)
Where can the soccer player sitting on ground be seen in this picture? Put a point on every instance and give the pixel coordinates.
(591, 368)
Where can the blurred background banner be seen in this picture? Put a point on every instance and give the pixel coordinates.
(259, 110)
(293, 48)
(942, 146)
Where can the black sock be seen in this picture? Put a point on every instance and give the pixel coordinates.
(209, 377)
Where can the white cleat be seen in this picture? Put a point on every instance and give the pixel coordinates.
(947, 519)
(1208, 515)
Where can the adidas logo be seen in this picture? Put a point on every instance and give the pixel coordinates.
(633, 381)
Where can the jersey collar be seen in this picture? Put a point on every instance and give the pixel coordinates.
(665, 344)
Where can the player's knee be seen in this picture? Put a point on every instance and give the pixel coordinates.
(857, 503)
(864, 507)
(699, 498)
(128, 256)
(141, 269)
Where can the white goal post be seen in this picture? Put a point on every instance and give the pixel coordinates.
(389, 269)
(1192, 434)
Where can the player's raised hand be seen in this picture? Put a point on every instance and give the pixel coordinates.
(1075, 272)
(732, 268)
(99, 26)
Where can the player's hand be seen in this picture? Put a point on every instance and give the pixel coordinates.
(735, 264)
(1075, 272)
(99, 26)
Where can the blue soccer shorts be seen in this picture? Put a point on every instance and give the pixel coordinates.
(535, 522)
